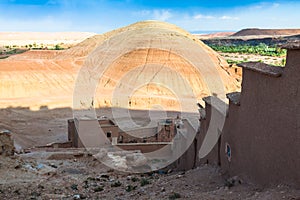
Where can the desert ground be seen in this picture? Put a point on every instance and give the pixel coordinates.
(21, 39)
(74, 174)
(36, 91)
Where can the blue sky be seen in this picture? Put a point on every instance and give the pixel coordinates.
(104, 15)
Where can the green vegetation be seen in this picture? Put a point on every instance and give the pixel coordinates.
(230, 62)
(98, 189)
(130, 188)
(15, 51)
(58, 47)
(8, 51)
(134, 179)
(3, 57)
(144, 182)
(283, 61)
(116, 184)
(261, 49)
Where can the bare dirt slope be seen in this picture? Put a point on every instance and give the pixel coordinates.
(31, 80)
(47, 78)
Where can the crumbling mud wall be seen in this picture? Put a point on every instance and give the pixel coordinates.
(6, 143)
(260, 139)
(190, 159)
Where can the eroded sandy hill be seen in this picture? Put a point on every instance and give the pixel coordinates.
(38, 78)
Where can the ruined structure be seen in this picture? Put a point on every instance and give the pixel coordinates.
(261, 135)
(157, 138)
(6, 143)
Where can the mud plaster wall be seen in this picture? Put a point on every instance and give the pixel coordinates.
(263, 131)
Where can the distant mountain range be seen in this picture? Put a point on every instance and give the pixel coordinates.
(269, 37)
(273, 32)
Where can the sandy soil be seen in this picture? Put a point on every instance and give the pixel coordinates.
(45, 38)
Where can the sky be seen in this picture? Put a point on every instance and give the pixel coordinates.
(100, 16)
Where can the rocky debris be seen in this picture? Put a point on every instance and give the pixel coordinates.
(21, 178)
(6, 143)
(38, 168)
(124, 160)
(136, 160)
(233, 181)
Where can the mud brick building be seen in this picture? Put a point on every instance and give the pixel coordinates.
(260, 139)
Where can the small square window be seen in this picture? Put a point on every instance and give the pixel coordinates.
(108, 134)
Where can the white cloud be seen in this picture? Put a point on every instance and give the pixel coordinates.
(200, 16)
(157, 14)
(162, 15)
(225, 17)
(275, 5)
(262, 15)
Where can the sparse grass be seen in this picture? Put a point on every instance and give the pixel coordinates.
(98, 189)
(5, 53)
(134, 179)
(144, 182)
(90, 179)
(116, 184)
(283, 61)
(230, 62)
(74, 187)
(130, 188)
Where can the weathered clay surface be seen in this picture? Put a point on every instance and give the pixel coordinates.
(47, 78)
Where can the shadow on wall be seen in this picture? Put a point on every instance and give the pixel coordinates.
(260, 139)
